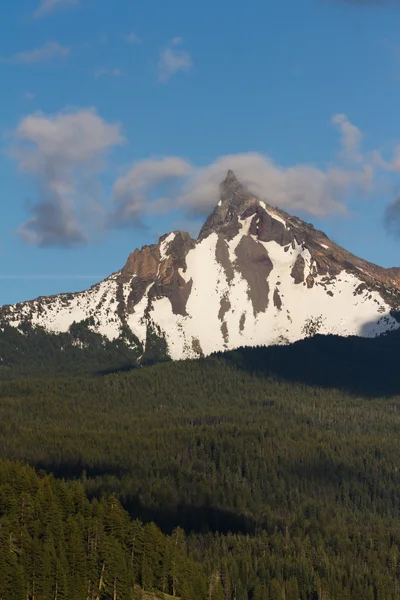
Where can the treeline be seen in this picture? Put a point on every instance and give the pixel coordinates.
(362, 366)
(33, 352)
(27, 351)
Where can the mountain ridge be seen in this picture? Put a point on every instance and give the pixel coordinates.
(254, 276)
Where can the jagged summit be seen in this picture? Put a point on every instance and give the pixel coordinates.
(230, 176)
(234, 198)
(233, 192)
(255, 276)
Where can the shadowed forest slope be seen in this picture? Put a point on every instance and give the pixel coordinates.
(271, 484)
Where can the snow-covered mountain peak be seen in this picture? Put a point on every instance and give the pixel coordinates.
(255, 275)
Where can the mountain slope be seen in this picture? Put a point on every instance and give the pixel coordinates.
(254, 276)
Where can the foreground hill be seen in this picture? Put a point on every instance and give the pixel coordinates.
(285, 490)
(255, 276)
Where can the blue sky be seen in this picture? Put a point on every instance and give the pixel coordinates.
(119, 118)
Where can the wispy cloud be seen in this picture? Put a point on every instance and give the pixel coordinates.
(173, 59)
(29, 96)
(351, 138)
(298, 188)
(66, 152)
(391, 219)
(114, 72)
(63, 153)
(132, 38)
(46, 53)
(46, 7)
(131, 191)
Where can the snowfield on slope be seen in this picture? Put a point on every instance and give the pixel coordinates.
(340, 312)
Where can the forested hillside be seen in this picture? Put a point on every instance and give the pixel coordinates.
(365, 366)
(29, 351)
(284, 489)
(54, 543)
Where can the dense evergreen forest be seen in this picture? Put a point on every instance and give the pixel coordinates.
(27, 351)
(237, 477)
(359, 365)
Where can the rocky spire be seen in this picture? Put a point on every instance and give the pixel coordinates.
(233, 192)
(234, 199)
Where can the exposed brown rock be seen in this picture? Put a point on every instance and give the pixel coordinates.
(143, 263)
(179, 248)
(146, 267)
(310, 281)
(196, 347)
(255, 265)
(137, 292)
(268, 229)
(169, 282)
(277, 299)
(242, 322)
(224, 331)
(222, 256)
(360, 289)
(176, 290)
(225, 305)
(234, 199)
(297, 271)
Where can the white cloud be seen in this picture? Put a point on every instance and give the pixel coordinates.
(351, 138)
(45, 53)
(173, 60)
(298, 188)
(46, 7)
(392, 164)
(63, 153)
(131, 192)
(132, 38)
(114, 72)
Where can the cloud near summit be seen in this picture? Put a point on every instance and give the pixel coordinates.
(66, 153)
(299, 188)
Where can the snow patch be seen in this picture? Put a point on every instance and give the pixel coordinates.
(165, 245)
(273, 214)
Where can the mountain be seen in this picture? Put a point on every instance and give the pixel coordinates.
(255, 276)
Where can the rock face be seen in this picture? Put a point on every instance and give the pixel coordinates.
(255, 275)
